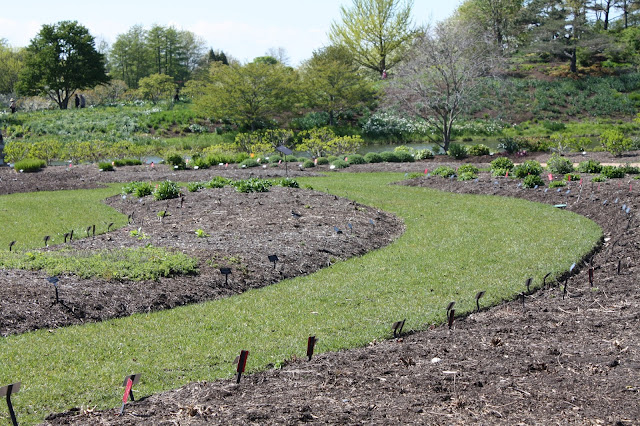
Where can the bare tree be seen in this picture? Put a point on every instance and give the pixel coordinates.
(439, 81)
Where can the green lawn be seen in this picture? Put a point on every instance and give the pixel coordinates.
(454, 246)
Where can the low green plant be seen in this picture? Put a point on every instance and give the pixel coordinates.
(390, 157)
(479, 149)
(356, 159)
(29, 165)
(105, 166)
(137, 233)
(557, 183)
(589, 166)
(218, 182)
(308, 164)
(529, 167)
(572, 177)
(249, 162)
(423, 154)
(252, 185)
(322, 161)
(405, 157)
(288, 183)
(499, 172)
(373, 157)
(195, 186)
(127, 162)
(612, 172)
(468, 168)
(176, 161)
(559, 165)
(629, 169)
(457, 151)
(502, 163)
(201, 234)
(166, 190)
(531, 181)
(444, 171)
(464, 176)
(339, 164)
(510, 145)
(615, 142)
(599, 178)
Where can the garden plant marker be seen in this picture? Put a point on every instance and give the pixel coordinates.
(129, 382)
(274, 259)
(7, 391)
(478, 297)
(11, 244)
(311, 343)
(242, 363)
(397, 327)
(54, 281)
(452, 314)
(226, 272)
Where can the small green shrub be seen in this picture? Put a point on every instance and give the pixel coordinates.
(308, 164)
(332, 158)
(589, 166)
(444, 171)
(139, 189)
(195, 186)
(499, 172)
(390, 157)
(201, 234)
(29, 165)
(405, 157)
(559, 165)
(249, 162)
(630, 170)
(105, 166)
(218, 182)
(599, 178)
(572, 177)
(356, 159)
(423, 154)
(614, 141)
(201, 163)
(288, 183)
(339, 164)
(322, 161)
(478, 149)
(510, 145)
(502, 163)
(468, 168)
(466, 176)
(166, 190)
(127, 162)
(252, 185)
(457, 151)
(531, 181)
(529, 167)
(557, 183)
(176, 161)
(612, 172)
(373, 157)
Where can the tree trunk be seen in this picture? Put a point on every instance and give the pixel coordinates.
(574, 66)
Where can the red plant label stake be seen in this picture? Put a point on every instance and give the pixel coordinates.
(242, 363)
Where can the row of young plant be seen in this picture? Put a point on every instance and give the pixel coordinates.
(531, 170)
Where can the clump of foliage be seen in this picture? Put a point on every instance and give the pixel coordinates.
(373, 157)
(322, 161)
(195, 186)
(479, 149)
(307, 164)
(105, 166)
(444, 171)
(589, 166)
(612, 172)
(510, 145)
(531, 181)
(146, 263)
(356, 159)
(29, 165)
(468, 168)
(457, 151)
(559, 165)
(289, 183)
(599, 178)
(252, 185)
(176, 160)
(139, 189)
(557, 183)
(630, 170)
(218, 182)
(166, 190)
(529, 167)
(498, 172)
(127, 162)
(571, 177)
(405, 157)
(339, 164)
(423, 154)
(614, 142)
(464, 176)
(390, 157)
(502, 163)
(201, 234)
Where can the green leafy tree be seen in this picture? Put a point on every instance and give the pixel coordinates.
(11, 63)
(248, 95)
(377, 32)
(130, 56)
(332, 83)
(61, 59)
(615, 142)
(496, 17)
(156, 87)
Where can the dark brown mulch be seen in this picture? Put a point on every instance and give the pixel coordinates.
(561, 358)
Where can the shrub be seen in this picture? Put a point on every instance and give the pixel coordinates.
(373, 157)
(405, 157)
(559, 165)
(478, 149)
(339, 164)
(589, 166)
(105, 166)
(457, 151)
(390, 157)
(468, 168)
(612, 172)
(288, 183)
(531, 181)
(166, 190)
(29, 165)
(195, 186)
(423, 154)
(630, 170)
(557, 183)
(332, 158)
(139, 189)
(176, 161)
(127, 162)
(218, 182)
(308, 164)
(499, 172)
(275, 159)
(322, 161)
(614, 141)
(599, 178)
(252, 185)
(502, 163)
(573, 177)
(249, 162)
(356, 159)
(467, 176)
(201, 163)
(529, 167)
(444, 171)
(510, 145)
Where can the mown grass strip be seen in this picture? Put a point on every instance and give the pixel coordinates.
(454, 245)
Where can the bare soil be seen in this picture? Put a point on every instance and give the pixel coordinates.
(562, 357)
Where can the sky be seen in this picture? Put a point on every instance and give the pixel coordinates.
(243, 29)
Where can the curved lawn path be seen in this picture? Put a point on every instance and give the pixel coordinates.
(454, 246)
